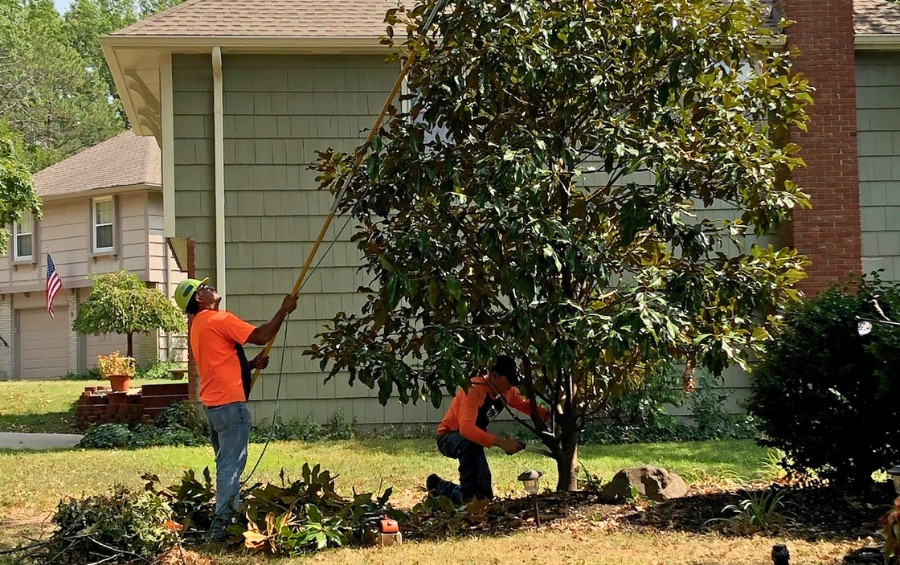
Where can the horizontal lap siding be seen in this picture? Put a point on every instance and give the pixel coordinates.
(878, 109)
(278, 110)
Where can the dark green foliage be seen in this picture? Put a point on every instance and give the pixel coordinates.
(120, 527)
(107, 436)
(120, 303)
(307, 430)
(193, 502)
(825, 395)
(640, 416)
(157, 371)
(303, 515)
(185, 414)
(90, 375)
(181, 423)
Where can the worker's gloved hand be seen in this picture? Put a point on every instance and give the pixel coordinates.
(259, 362)
(510, 445)
(289, 304)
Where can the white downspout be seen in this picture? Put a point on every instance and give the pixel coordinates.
(219, 167)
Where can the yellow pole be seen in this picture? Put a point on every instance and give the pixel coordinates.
(359, 157)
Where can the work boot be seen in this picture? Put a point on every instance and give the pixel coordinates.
(432, 483)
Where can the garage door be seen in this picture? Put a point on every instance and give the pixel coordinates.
(43, 343)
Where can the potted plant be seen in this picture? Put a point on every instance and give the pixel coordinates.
(117, 369)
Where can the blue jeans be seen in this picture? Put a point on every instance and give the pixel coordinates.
(229, 427)
(474, 472)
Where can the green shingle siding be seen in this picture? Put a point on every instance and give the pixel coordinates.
(878, 104)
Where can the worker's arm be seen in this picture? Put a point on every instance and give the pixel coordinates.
(264, 333)
(515, 399)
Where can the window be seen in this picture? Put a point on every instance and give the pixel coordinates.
(103, 217)
(23, 238)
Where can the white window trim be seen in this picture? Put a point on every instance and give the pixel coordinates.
(95, 225)
(15, 239)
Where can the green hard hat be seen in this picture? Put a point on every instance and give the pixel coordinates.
(186, 290)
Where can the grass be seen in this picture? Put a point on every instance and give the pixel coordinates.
(35, 482)
(42, 406)
(41, 478)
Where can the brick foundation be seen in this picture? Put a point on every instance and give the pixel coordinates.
(829, 234)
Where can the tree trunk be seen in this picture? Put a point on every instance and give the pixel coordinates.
(567, 464)
(130, 352)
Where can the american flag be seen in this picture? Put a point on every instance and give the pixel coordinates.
(54, 285)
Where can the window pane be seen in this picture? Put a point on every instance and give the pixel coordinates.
(23, 245)
(104, 237)
(103, 212)
(26, 226)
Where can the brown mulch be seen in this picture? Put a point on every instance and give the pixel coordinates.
(810, 512)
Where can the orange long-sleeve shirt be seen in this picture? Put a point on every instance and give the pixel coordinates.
(466, 406)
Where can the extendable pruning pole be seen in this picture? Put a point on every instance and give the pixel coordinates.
(360, 155)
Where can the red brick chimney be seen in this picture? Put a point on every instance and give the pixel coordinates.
(829, 233)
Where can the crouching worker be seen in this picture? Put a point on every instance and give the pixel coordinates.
(463, 435)
(216, 342)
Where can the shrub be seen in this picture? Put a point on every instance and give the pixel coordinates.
(185, 414)
(106, 436)
(827, 396)
(307, 430)
(158, 370)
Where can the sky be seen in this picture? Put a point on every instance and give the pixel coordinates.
(61, 5)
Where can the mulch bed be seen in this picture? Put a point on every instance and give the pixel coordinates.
(811, 513)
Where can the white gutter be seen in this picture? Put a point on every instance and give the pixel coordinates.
(878, 42)
(219, 166)
(167, 143)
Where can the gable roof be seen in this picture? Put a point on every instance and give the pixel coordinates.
(267, 18)
(124, 160)
(876, 17)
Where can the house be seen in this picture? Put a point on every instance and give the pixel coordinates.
(240, 93)
(102, 212)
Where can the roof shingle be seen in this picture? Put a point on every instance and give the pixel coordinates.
(267, 18)
(876, 17)
(123, 160)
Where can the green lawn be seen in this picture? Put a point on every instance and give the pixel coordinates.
(35, 481)
(39, 479)
(43, 406)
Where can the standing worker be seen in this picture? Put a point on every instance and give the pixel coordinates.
(463, 435)
(217, 337)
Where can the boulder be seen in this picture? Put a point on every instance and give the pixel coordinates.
(653, 482)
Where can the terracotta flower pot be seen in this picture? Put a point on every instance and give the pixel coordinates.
(120, 383)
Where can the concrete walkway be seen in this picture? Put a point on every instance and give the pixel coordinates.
(11, 440)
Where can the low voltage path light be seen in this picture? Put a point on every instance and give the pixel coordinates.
(531, 479)
(894, 472)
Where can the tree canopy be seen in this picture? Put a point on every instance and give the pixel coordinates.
(16, 191)
(544, 196)
(121, 303)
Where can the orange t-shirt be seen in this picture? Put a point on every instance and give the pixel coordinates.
(213, 335)
(467, 407)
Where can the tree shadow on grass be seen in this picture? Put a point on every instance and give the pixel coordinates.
(48, 422)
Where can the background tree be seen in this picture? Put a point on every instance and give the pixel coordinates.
(541, 198)
(16, 191)
(120, 303)
(47, 96)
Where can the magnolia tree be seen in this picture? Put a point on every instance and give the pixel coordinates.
(120, 303)
(540, 193)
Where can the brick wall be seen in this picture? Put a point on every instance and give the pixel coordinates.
(829, 233)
